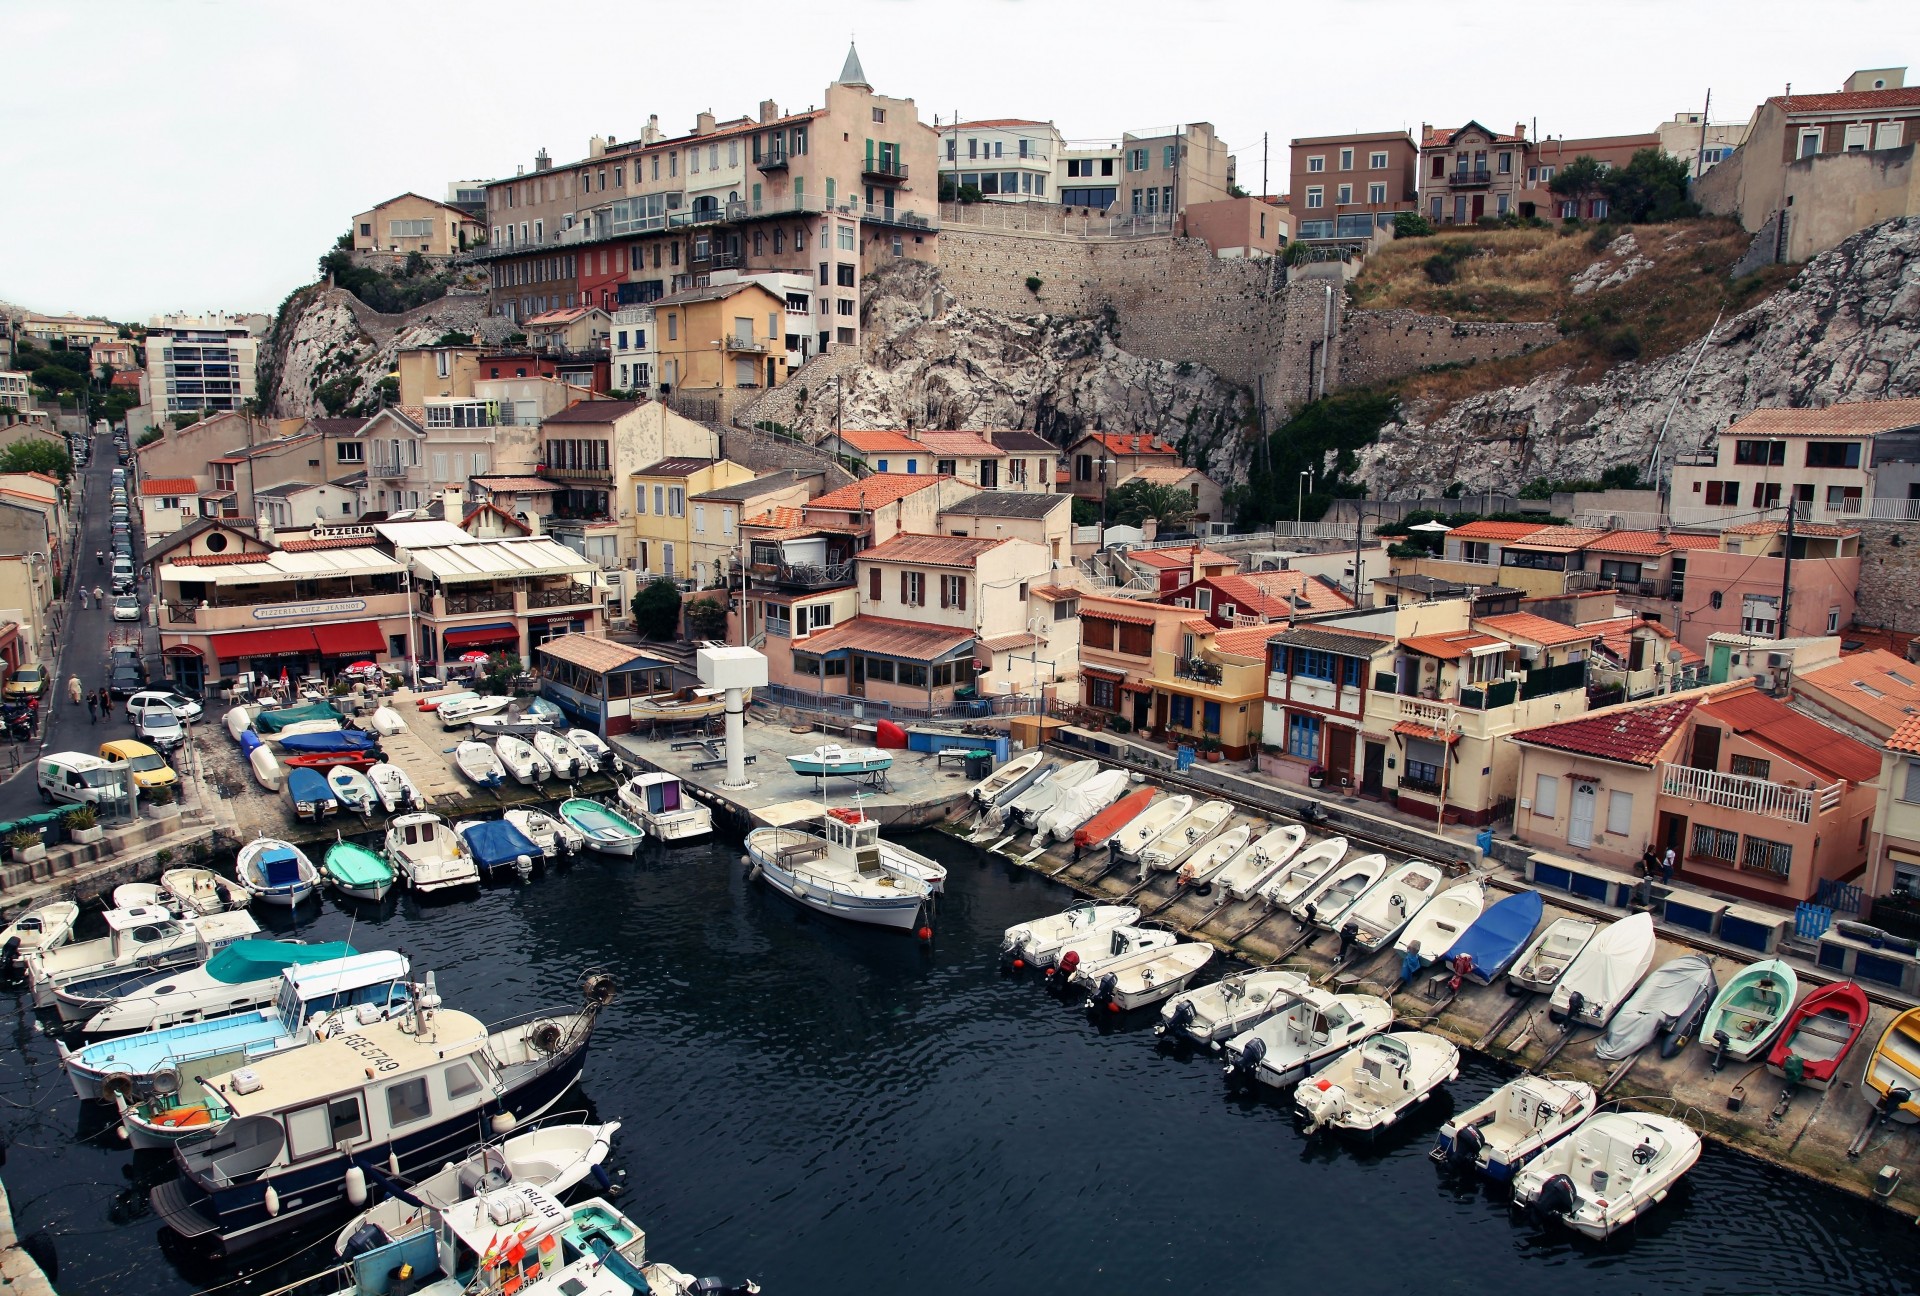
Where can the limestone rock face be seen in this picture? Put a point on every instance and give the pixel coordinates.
(1846, 329)
(330, 336)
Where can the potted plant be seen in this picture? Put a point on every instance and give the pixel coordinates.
(162, 802)
(27, 846)
(1317, 776)
(1212, 750)
(83, 825)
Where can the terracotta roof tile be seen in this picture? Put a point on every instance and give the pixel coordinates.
(1272, 594)
(1164, 474)
(1906, 738)
(869, 442)
(1008, 642)
(1849, 100)
(331, 542)
(1451, 647)
(1414, 729)
(1859, 638)
(1874, 683)
(1526, 625)
(931, 550)
(1130, 443)
(169, 486)
(1795, 737)
(1055, 593)
(779, 516)
(875, 491)
(1247, 641)
(887, 637)
(1651, 544)
(960, 445)
(216, 560)
(520, 484)
(1183, 556)
(1486, 529)
(1820, 529)
(593, 652)
(1633, 734)
(1857, 418)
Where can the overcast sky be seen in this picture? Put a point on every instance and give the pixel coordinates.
(201, 154)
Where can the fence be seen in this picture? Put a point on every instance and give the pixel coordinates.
(1810, 921)
(856, 708)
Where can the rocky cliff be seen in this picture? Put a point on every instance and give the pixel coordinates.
(330, 350)
(1846, 328)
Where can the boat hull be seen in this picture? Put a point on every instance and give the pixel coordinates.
(897, 913)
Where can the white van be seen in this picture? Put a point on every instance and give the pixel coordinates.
(76, 776)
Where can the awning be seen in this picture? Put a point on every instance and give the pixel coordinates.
(181, 650)
(491, 633)
(1118, 677)
(350, 638)
(1413, 729)
(263, 643)
(1104, 613)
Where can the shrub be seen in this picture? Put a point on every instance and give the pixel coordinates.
(23, 840)
(163, 856)
(1120, 724)
(706, 618)
(81, 818)
(1412, 225)
(162, 795)
(656, 610)
(1033, 283)
(148, 437)
(1443, 267)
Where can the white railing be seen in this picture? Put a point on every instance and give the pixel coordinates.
(1621, 521)
(1749, 795)
(1887, 510)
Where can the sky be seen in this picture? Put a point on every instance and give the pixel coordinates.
(202, 154)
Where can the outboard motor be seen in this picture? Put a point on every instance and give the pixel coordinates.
(1720, 1046)
(1059, 976)
(1466, 1147)
(1313, 912)
(1183, 1015)
(1555, 1197)
(721, 1287)
(1103, 993)
(1575, 1002)
(1243, 1067)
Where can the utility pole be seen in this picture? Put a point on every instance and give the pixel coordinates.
(1700, 158)
(1263, 164)
(1786, 575)
(1359, 530)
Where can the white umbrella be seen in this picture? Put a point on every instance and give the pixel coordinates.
(1440, 527)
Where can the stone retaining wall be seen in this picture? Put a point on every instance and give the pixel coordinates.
(1379, 345)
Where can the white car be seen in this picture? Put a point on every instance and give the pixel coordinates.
(126, 608)
(159, 728)
(161, 700)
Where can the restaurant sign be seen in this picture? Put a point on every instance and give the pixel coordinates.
(308, 611)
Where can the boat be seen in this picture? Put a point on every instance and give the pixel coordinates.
(353, 788)
(1171, 846)
(1042, 794)
(395, 790)
(313, 797)
(140, 943)
(340, 740)
(387, 722)
(135, 895)
(1255, 866)
(304, 1119)
(357, 872)
(549, 834)
(1604, 974)
(520, 759)
(276, 872)
(289, 719)
(1009, 780)
(1667, 1006)
(1744, 1017)
(480, 763)
(41, 929)
(362, 760)
(1144, 829)
(556, 1158)
(660, 804)
(1514, 1124)
(1205, 861)
(1369, 1088)
(1551, 954)
(832, 758)
(302, 1002)
(429, 854)
(843, 872)
(434, 701)
(496, 844)
(158, 1122)
(239, 977)
(1893, 1071)
(1311, 1031)
(1322, 904)
(561, 756)
(678, 705)
(592, 749)
(264, 764)
(1496, 938)
(303, 728)
(1093, 811)
(1372, 921)
(523, 724)
(1096, 952)
(1230, 1006)
(202, 891)
(1614, 1168)
(1040, 940)
(1440, 922)
(604, 829)
(1144, 977)
(1303, 873)
(456, 714)
(1819, 1033)
(238, 721)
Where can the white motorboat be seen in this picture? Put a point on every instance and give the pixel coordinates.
(520, 759)
(353, 788)
(266, 768)
(1171, 846)
(1078, 804)
(561, 756)
(1146, 828)
(1432, 931)
(429, 854)
(1303, 1037)
(459, 712)
(832, 758)
(1144, 977)
(1372, 921)
(1324, 903)
(496, 844)
(1230, 1006)
(1009, 781)
(276, 872)
(388, 722)
(395, 790)
(659, 803)
(1205, 861)
(1605, 973)
(1040, 941)
(1373, 1086)
(480, 763)
(1546, 960)
(592, 749)
(140, 895)
(1096, 951)
(1255, 866)
(553, 837)
(202, 891)
(141, 946)
(1513, 1125)
(526, 724)
(1042, 795)
(1613, 1169)
(302, 727)
(238, 720)
(844, 873)
(1303, 873)
(40, 930)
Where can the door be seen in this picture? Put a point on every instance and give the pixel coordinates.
(1706, 748)
(1479, 206)
(1140, 702)
(666, 558)
(1374, 768)
(857, 677)
(1340, 754)
(1673, 834)
(1580, 827)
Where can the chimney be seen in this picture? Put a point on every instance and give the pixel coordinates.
(532, 519)
(261, 526)
(703, 124)
(596, 147)
(451, 504)
(769, 111)
(651, 135)
(542, 162)
(1520, 130)
(1149, 528)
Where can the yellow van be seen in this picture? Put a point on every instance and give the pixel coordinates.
(150, 769)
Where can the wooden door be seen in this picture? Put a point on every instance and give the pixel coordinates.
(1706, 748)
(1339, 754)
(1373, 772)
(857, 676)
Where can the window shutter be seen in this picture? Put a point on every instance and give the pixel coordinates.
(960, 592)
(873, 584)
(1912, 792)
(945, 591)
(1619, 812)
(903, 587)
(1546, 795)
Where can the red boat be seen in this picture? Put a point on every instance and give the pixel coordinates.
(1115, 817)
(360, 760)
(1820, 1032)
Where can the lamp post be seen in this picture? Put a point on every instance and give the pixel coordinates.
(1300, 496)
(1104, 464)
(413, 631)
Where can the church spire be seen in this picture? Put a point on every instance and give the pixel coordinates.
(852, 73)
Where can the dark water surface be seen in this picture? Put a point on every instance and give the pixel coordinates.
(830, 1110)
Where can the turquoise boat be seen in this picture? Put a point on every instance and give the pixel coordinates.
(1745, 1016)
(835, 759)
(606, 830)
(357, 872)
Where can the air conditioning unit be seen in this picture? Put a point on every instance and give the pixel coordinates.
(1778, 659)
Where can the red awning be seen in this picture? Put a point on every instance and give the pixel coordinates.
(262, 643)
(181, 650)
(486, 634)
(350, 638)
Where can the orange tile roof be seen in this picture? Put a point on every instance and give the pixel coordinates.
(1182, 556)
(1564, 538)
(888, 637)
(875, 491)
(1008, 642)
(1651, 544)
(1130, 443)
(1874, 683)
(931, 550)
(870, 441)
(1199, 625)
(1526, 625)
(219, 559)
(1858, 638)
(331, 542)
(1906, 738)
(1055, 593)
(961, 445)
(1450, 647)
(1795, 737)
(1164, 474)
(1820, 529)
(1320, 596)
(1485, 529)
(168, 486)
(1849, 100)
(1633, 734)
(1855, 418)
(1414, 729)
(1247, 641)
(1616, 636)
(778, 516)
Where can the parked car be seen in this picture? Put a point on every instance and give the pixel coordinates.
(174, 704)
(28, 681)
(76, 776)
(161, 728)
(150, 769)
(124, 681)
(126, 655)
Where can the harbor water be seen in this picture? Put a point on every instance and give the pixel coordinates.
(829, 1109)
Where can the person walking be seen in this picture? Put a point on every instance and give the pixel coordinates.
(73, 689)
(1666, 865)
(93, 706)
(99, 596)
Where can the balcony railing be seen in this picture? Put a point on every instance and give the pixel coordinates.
(1197, 669)
(571, 595)
(1412, 783)
(1748, 795)
(804, 575)
(883, 168)
(603, 473)
(736, 343)
(460, 604)
(387, 470)
(774, 159)
(1471, 178)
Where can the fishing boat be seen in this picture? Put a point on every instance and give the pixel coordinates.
(395, 790)
(1255, 866)
(387, 722)
(480, 763)
(663, 809)
(353, 788)
(524, 724)
(1386, 907)
(1234, 1004)
(429, 854)
(1496, 937)
(1144, 977)
(843, 872)
(592, 749)
(1667, 1006)
(1614, 1168)
(362, 760)
(1311, 1031)
(276, 872)
(136, 895)
(1893, 1071)
(158, 1122)
(140, 947)
(496, 844)
(313, 797)
(239, 977)
(301, 1120)
(1044, 793)
(1145, 828)
(1551, 954)
(1205, 861)
(1514, 1124)
(1303, 873)
(1040, 941)
(832, 758)
(357, 872)
(1604, 974)
(40, 930)
(1094, 953)
(549, 834)
(605, 829)
(457, 713)
(1442, 920)
(1171, 846)
(1095, 806)
(337, 740)
(1744, 1017)
(202, 891)
(561, 756)
(1819, 1033)
(1009, 781)
(347, 990)
(520, 759)
(1369, 1088)
(1323, 904)
(679, 705)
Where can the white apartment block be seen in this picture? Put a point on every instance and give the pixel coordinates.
(1007, 159)
(200, 363)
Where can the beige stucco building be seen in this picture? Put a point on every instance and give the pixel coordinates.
(410, 223)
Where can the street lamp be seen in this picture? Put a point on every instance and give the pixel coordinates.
(1104, 463)
(1300, 497)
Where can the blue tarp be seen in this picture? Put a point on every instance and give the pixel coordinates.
(342, 741)
(257, 960)
(498, 844)
(280, 868)
(306, 785)
(1499, 935)
(248, 741)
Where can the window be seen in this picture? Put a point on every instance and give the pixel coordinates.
(1180, 711)
(1344, 195)
(1611, 570)
(1346, 159)
(1843, 499)
(1620, 813)
(1376, 161)
(1760, 614)
(913, 589)
(1546, 796)
(1750, 767)
(1136, 159)
(1722, 493)
(1811, 141)
(1831, 454)
(953, 592)
(844, 306)
(846, 238)
(1857, 137)
(673, 327)
(1716, 598)
(1422, 772)
(873, 584)
(1713, 844)
(1910, 781)
(349, 452)
(1889, 135)
(1766, 494)
(1303, 736)
(407, 1102)
(676, 501)
(1763, 452)
(1376, 194)
(461, 1081)
(1316, 164)
(1316, 197)
(1765, 856)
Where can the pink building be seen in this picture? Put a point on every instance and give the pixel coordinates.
(1736, 588)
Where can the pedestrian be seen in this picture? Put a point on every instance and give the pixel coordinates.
(106, 705)
(1666, 866)
(73, 689)
(99, 596)
(93, 706)
(83, 598)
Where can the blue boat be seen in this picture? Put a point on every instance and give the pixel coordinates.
(497, 844)
(313, 797)
(344, 740)
(1497, 936)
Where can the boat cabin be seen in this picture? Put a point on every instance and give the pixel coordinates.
(852, 837)
(661, 793)
(373, 984)
(422, 836)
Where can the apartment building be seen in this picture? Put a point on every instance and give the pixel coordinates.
(1836, 464)
(1087, 174)
(591, 451)
(1552, 154)
(166, 505)
(67, 330)
(1042, 519)
(1120, 639)
(118, 355)
(671, 535)
(1171, 572)
(1700, 143)
(200, 363)
(1317, 679)
(716, 532)
(1099, 461)
(1209, 689)
(1348, 186)
(409, 223)
(1032, 460)
(15, 390)
(1004, 159)
(1169, 169)
(1471, 171)
(715, 342)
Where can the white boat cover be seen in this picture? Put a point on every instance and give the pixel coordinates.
(1673, 994)
(1079, 804)
(1607, 968)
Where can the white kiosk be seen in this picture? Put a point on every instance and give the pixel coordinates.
(736, 670)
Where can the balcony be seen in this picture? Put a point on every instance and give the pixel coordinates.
(883, 169)
(467, 602)
(774, 159)
(1197, 669)
(1748, 795)
(1476, 178)
(386, 470)
(1426, 787)
(803, 575)
(573, 594)
(732, 342)
(600, 476)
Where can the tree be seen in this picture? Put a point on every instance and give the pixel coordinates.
(148, 437)
(1134, 501)
(706, 619)
(1411, 225)
(656, 610)
(1650, 188)
(36, 456)
(1578, 178)
(1086, 512)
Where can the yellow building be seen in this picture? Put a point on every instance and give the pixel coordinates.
(725, 338)
(676, 534)
(410, 223)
